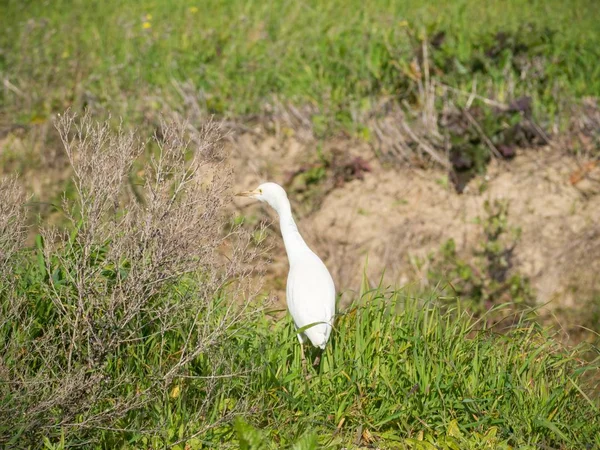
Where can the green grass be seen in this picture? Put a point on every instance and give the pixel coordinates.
(336, 61)
(241, 54)
(398, 371)
(398, 367)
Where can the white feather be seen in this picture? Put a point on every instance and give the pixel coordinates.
(310, 290)
(311, 298)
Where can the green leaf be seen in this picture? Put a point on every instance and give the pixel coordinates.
(307, 442)
(552, 426)
(249, 438)
(454, 430)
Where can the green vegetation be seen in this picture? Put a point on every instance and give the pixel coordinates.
(400, 369)
(128, 329)
(340, 57)
(479, 71)
(135, 322)
(399, 373)
(487, 278)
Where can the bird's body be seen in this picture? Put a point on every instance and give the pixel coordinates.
(310, 296)
(310, 290)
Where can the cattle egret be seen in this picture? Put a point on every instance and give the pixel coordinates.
(310, 290)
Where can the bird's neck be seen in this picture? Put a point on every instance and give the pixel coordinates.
(295, 246)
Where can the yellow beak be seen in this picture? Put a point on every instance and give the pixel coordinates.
(247, 193)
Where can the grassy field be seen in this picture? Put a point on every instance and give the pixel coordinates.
(242, 55)
(339, 65)
(125, 326)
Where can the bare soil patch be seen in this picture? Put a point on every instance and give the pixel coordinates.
(397, 215)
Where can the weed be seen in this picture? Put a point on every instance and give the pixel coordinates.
(487, 279)
(12, 221)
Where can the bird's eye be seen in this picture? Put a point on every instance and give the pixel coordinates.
(260, 191)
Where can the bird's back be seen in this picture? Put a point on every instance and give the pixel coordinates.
(311, 297)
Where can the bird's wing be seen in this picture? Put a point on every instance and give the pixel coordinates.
(311, 298)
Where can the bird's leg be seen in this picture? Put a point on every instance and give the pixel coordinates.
(302, 354)
(317, 361)
(307, 375)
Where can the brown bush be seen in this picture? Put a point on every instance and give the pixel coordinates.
(12, 221)
(124, 304)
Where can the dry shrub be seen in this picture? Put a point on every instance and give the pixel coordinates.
(13, 231)
(12, 221)
(136, 293)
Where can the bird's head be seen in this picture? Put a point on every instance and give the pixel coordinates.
(270, 193)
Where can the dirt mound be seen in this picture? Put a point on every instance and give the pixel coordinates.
(395, 215)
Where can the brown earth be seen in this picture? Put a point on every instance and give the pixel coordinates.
(397, 214)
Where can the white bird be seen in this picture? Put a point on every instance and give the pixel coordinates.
(310, 290)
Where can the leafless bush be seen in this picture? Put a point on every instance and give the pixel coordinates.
(140, 266)
(12, 235)
(583, 134)
(12, 221)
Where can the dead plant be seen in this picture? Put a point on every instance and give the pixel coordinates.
(139, 292)
(13, 228)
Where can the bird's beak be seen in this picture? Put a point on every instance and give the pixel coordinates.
(248, 193)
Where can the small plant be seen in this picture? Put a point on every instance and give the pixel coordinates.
(487, 278)
(312, 182)
(454, 438)
(12, 222)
